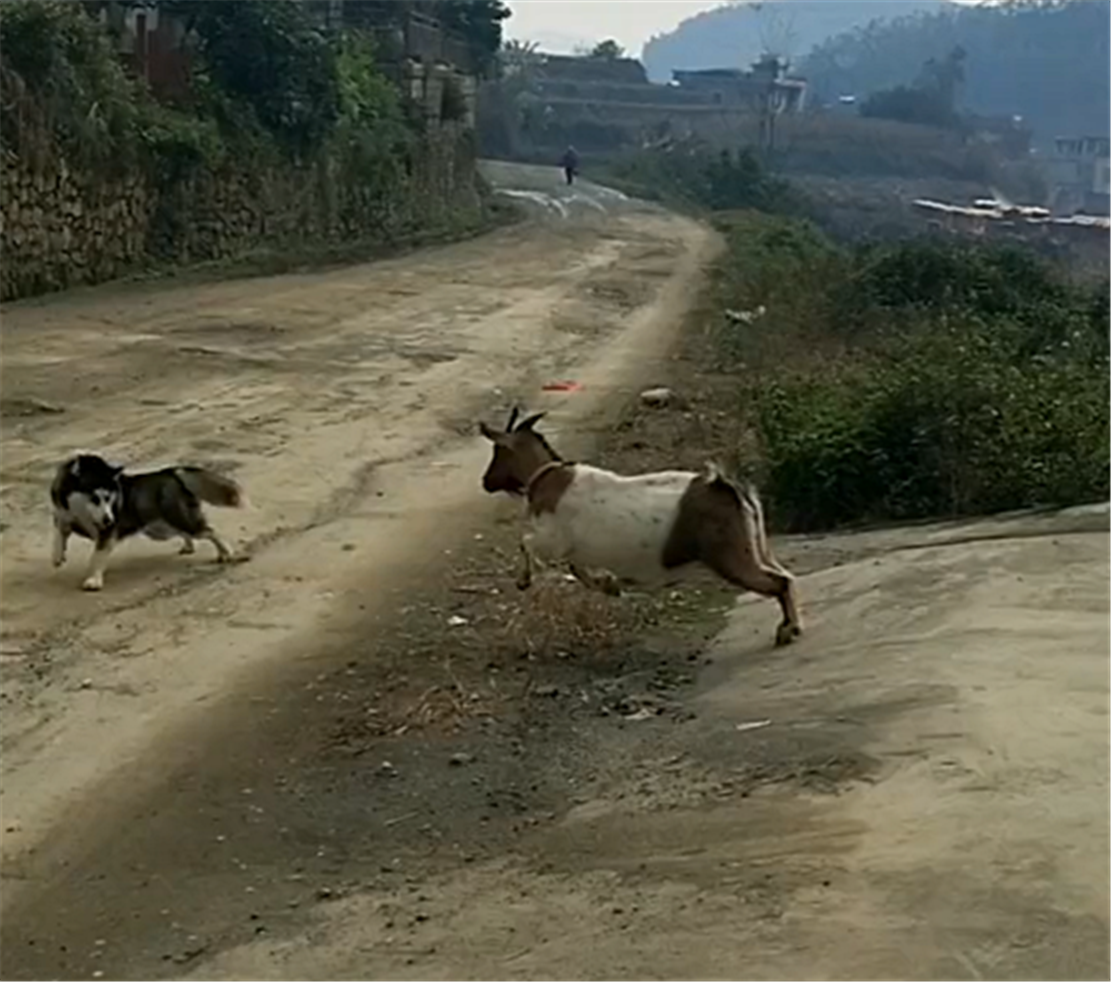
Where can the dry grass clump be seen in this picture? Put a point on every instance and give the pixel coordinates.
(560, 618)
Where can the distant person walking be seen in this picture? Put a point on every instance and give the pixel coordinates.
(570, 164)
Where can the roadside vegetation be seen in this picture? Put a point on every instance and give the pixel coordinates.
(910, 380)
(692, 175)
(270, 130)
(265, 80)
(65, 88)
(893, 381)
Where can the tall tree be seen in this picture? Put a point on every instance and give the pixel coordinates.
(608, 50)
(480, 24)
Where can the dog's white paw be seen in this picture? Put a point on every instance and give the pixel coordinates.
(93, 583)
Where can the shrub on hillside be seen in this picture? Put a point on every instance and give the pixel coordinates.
(904, 104)
(696, 176)
(268, 55)
(915, 380)
(60, 78)
(946, 425)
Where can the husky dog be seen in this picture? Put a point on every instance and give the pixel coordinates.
(98, 501)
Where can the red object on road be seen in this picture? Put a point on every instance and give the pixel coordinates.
(563, 387)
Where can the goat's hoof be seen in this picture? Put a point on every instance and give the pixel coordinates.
(187, 550)
(786, 633)
(523, 584)
(93, 583)
(58, 561)
(611, 588)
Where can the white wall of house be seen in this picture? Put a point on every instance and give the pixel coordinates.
(1101, 183)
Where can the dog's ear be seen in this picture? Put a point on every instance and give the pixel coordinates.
(116, 471)
(529, 423)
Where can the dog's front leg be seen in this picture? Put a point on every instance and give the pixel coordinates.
(98, 563)
(61, 538)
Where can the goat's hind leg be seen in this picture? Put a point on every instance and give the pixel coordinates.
(752, 500)
(743, 569)
(791, 627)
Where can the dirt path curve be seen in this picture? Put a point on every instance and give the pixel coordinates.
(344, 400)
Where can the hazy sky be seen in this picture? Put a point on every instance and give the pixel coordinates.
(559, 24)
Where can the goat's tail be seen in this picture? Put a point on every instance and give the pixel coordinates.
(211, 487)
(746, 493)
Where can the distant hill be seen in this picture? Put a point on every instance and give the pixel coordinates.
(735, 35)
(1045, 62)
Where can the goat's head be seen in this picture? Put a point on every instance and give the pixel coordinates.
(519, 452)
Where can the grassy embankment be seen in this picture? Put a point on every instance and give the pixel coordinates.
(893, 381)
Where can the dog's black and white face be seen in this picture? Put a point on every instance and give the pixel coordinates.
(89, 491)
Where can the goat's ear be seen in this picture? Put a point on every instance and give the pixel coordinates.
(488, 433)
(529, 423)
(512, 419)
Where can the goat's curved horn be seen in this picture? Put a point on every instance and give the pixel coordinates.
(529, 423)
(512, 419)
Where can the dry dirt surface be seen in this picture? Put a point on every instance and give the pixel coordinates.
(344, 401)
(363, 755)
(923, 798)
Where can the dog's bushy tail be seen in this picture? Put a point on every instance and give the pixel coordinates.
(210, 487)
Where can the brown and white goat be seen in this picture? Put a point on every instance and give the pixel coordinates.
(646, 529)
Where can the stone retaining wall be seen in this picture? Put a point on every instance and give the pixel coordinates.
(61, 226)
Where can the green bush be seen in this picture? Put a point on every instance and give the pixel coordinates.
(60, 77)
(696, 176)
(265, 83)
(913, 380)
(65, 90)
(940, 276)
(905, 104)
(373, 138)
(268, 55)
(950, 427)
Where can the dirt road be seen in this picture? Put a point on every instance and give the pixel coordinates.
(918, 790)
(219, 773)
(344, 401)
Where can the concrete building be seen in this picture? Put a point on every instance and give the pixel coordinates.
(765, 84)
(1079, 172)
